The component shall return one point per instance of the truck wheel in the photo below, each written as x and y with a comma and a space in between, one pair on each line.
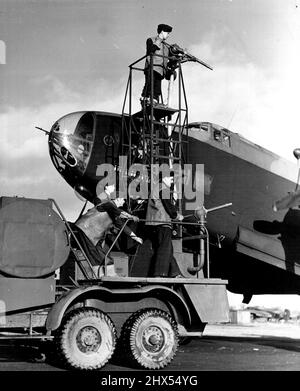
150, 337
86, 339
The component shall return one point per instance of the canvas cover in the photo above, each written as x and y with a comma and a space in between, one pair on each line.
33, 238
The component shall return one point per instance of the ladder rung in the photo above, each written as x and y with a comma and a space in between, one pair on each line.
168, 157
167, 124
168, 140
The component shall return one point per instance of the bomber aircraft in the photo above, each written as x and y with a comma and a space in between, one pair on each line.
254, 243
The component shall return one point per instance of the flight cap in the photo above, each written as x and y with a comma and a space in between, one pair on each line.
164, 27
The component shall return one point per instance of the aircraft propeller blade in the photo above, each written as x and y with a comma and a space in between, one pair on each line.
296, 153
292, 199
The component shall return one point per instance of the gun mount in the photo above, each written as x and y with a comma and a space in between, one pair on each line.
182, 55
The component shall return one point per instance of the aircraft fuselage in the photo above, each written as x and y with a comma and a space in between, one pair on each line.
255, 248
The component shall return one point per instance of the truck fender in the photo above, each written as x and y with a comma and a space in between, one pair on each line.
178, 306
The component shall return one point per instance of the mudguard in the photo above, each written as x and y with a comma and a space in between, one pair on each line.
168, 295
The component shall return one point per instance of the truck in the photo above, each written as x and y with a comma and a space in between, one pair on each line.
50, 291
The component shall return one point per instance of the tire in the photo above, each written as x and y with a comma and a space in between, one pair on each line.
150, 338
86, 339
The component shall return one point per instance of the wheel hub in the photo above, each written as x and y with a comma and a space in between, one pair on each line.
88, 339
153, 339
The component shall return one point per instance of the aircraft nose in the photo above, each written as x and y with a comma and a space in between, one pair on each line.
70, 141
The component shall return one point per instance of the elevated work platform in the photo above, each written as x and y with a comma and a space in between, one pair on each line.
159, 112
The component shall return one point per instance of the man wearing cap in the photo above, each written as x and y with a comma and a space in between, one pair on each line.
160, 51
160, 213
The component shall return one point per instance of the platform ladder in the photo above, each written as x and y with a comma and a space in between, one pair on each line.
156, 134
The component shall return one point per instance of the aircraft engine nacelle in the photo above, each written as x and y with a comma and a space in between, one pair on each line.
79, 142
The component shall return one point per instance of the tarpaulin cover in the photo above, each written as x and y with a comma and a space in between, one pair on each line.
33, 238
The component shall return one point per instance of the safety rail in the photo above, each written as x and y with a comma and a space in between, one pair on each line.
84, 272
112, 245
203, 239
130, 128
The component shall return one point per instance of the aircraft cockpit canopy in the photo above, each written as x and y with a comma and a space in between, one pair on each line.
215, 132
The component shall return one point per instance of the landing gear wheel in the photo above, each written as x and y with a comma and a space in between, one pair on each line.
150, 337
86, 339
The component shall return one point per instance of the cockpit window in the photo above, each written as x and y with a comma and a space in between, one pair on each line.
226, 139
202, 126
217, 135
214, 132
222, 136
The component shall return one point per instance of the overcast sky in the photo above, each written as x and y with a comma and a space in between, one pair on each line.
69, 55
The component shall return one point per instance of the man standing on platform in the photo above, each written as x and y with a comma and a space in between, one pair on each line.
156, 46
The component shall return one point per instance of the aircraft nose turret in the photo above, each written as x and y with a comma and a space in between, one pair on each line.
79, 143
71, 142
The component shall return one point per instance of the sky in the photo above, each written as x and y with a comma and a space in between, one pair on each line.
62, 56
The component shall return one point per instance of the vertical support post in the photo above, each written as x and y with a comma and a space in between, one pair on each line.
207, 253
185, 124
170, 127
123, 122
179, 143
130, 125
151, 112
30, 323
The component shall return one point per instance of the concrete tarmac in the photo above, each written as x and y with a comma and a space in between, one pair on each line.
223, 347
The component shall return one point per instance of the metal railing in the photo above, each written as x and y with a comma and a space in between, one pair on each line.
82, 268
202, 236
203, 239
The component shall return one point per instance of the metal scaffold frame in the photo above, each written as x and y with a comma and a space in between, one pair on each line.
149, 137
145, 124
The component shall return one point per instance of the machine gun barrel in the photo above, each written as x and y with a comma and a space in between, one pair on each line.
43, 130
193, 58
176, 49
